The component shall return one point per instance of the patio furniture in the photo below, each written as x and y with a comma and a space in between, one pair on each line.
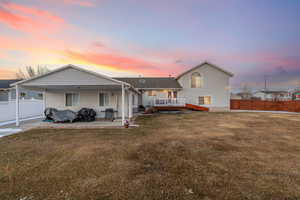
109, 114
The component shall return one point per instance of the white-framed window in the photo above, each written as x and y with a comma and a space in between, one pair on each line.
103, 99
72, 99
151, 93
204, 100
196, 80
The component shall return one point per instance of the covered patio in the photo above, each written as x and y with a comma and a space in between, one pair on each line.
73, 88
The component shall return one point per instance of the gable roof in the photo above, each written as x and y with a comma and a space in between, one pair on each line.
67, 67
202, 64
152, 82
5, 84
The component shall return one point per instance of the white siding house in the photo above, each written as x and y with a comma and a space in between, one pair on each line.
213, 90
74, 88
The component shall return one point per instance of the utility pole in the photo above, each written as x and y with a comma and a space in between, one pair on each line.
266, 88
265, 78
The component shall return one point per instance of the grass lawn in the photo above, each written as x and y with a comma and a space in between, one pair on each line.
187, 156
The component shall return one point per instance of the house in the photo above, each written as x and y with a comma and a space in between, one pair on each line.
71, 87
295, 94
7, 93
235, 96
242, 95
5, 89
272, 95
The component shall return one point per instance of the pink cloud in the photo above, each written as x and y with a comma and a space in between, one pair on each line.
7, 73
79, 2
29, 19
84, 3
121, 62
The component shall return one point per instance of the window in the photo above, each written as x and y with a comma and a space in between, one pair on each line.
103, 99
205, 100
196, 80
72, 99
151, 93
22, 94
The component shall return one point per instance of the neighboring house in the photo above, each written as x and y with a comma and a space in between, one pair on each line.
7, 93
295, 94
272, 95
5, 89
242, 95
73, 88
235, 96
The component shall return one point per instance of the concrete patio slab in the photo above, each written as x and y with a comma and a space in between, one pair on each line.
39, 123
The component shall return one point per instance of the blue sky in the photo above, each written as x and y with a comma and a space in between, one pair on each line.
155, 38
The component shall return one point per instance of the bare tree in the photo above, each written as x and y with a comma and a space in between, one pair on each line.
30, 71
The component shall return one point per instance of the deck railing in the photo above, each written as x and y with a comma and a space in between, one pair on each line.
169, 102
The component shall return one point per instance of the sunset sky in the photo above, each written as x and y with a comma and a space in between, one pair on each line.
155, 37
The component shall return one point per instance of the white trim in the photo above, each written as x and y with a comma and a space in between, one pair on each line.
17, 106
130, 104
44, 100
123, 104
202, 64
65, 99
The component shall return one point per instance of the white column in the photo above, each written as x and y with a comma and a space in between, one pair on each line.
17, 105
123, 104
44, 100
130, 107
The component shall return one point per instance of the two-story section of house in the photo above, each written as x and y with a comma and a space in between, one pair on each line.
207, 85
204, 85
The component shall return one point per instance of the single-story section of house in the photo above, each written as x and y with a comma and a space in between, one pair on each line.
71, 87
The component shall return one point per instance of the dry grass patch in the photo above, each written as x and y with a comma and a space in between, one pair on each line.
187, 156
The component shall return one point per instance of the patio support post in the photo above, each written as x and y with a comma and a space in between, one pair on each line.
123, 104
17, 105
130, 105
44, 100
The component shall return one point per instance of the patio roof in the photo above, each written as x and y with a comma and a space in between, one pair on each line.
22, 82
71, 77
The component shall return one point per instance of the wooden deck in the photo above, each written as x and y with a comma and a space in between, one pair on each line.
175, 108
196, 107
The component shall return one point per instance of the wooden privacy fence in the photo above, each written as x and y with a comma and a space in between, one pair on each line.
289, 106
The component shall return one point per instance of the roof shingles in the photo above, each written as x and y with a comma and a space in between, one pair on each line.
152, 83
